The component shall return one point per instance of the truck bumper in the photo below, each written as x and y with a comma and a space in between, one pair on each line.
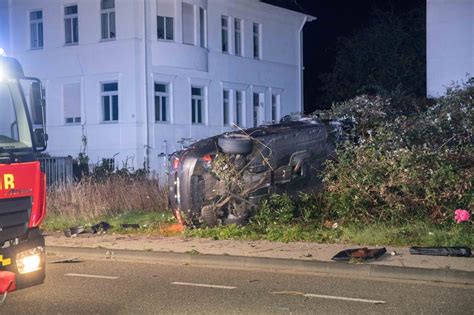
22, 260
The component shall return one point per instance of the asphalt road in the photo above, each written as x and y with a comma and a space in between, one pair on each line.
111, 287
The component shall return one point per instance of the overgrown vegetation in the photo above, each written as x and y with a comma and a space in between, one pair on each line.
398, 181
404, 167
107, 192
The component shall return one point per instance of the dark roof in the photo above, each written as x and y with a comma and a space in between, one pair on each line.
293, 5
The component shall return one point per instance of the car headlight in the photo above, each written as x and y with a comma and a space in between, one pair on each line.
29, 260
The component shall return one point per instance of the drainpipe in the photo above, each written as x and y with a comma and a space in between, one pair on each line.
300, 64
145, 50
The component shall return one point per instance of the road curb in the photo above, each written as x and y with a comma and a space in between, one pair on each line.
270, 264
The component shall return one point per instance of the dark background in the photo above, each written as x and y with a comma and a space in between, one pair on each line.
335, 19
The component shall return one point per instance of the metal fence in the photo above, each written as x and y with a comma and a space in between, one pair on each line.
58, 170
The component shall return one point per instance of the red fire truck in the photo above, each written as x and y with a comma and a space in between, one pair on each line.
22, 182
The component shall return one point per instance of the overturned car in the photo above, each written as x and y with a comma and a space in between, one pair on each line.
222, 179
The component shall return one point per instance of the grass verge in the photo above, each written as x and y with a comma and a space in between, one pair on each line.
149, 222
418, 233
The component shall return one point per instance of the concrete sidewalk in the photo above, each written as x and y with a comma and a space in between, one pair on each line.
303, 256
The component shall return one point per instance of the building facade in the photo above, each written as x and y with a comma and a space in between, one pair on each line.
135, 80
449, 43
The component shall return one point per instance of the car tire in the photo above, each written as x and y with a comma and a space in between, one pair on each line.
208, 216
235, 144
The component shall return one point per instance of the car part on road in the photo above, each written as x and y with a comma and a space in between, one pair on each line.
100, 227
74, 231
66, 261
360, 254
457, 251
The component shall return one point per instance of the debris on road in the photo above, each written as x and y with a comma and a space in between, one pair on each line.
74, 231
66, 261
359, 253
100, 227
457, 251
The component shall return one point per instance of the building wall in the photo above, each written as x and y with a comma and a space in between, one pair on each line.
4, 26
137, 64
450, 43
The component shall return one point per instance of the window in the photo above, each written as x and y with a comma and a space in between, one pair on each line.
275, 107
197, 99
188, 23
238, 36
165, 28
225, 34
71, 26
238, 107
110, 109
256, 41
36, 29
107, 19
161, 102
72, 103
256, 100
202, 27
225, 107
258, 108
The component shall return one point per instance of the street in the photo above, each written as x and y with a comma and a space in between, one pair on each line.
113, 287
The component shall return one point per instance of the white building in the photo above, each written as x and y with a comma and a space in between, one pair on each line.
449, 43
205, 64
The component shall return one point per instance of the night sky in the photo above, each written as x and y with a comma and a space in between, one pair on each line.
335, 18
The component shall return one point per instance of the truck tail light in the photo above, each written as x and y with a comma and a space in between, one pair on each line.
39, 203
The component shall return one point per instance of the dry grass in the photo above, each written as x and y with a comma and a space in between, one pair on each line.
111, 196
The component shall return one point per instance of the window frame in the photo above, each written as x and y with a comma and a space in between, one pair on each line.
161, 95
202, 22
75, 120
238, 40
239, 108
71, 17
198, 107
192, 24
225, 30
226, 109
276, 107
257, 40
108, 12
109, 94
165, 28
37, 23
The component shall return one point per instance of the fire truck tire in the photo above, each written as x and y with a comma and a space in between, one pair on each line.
235, 144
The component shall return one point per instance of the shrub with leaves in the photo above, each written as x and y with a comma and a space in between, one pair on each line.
404, 167
278, 209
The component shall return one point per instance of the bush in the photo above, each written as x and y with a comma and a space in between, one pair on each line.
404, 168
278, 209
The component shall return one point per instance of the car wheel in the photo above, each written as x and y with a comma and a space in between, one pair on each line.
208, 216
235, 144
